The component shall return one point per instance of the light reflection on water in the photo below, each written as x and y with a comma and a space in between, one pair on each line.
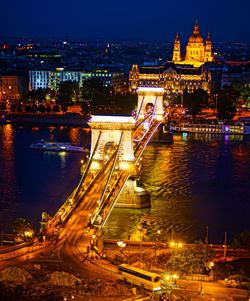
199, 180
35, 181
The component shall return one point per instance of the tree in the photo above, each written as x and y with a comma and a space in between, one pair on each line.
85, 107
39, 94
177, 100
34, 108
56, 108
27, 108
2, 106
125, 103
19, 108
13, 107
67, 91
195, 101
241, 240
92, 88
41, 108
193, 259
22, 228
226, 103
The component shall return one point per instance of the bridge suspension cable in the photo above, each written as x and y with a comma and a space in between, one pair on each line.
146, 143
109, 177
87, 167
138, 112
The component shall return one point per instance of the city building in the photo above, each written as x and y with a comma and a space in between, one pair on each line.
12, 87
197, 53
52, 78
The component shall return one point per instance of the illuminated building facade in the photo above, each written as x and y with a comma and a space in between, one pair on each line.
52, 78
180, 74
174, 79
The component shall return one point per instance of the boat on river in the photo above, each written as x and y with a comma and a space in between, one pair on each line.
3, 116
57, 146
227, 129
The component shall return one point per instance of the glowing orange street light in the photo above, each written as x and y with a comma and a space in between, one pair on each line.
175, 244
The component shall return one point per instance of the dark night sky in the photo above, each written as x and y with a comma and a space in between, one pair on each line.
157, 20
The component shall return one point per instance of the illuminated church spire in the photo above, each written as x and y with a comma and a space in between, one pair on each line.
177, 49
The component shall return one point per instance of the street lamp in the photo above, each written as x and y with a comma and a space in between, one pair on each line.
122, 245
156, 240
176, 244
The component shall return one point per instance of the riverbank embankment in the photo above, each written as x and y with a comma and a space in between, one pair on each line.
60, 119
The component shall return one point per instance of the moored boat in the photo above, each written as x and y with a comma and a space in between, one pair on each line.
57, 146
233, 129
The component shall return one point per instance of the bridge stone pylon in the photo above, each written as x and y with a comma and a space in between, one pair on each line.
150, 95
111, 128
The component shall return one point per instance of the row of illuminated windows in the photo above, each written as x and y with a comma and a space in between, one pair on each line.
32, 73
195, 52
220, 130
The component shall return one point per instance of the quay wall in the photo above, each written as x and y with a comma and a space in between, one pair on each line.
57, 119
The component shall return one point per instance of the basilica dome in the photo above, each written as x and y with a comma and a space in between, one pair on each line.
196, 37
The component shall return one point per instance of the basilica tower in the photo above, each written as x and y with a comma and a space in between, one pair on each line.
177, 49
208, 50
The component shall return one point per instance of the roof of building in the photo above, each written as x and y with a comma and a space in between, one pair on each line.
178, 68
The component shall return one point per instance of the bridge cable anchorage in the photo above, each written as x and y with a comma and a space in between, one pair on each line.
138, 112
152, 116
87, 167
109, 178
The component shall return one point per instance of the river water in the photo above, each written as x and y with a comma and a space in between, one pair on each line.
198, 181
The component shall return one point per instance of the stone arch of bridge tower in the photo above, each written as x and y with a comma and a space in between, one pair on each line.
111, 128
150, 95
108, 149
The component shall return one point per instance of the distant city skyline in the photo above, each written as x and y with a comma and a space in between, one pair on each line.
227, 21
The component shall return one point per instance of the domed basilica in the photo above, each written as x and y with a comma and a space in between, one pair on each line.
196, 52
